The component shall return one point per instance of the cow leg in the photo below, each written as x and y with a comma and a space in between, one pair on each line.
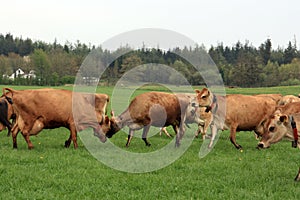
214, 131
130, 135
233, 135
26, 135
73, 137
68, 142
15, 131
144, 136
197, 132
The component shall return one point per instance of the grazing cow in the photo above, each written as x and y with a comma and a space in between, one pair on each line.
281, 126
287, 109
288, 99
242, 113
158, 109
48, 108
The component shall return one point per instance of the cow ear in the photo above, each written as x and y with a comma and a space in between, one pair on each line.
197, 91
112, 113
283, 118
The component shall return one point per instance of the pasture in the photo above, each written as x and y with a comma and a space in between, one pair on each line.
50, 171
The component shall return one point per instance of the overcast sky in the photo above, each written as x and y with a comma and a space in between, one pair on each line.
206, 22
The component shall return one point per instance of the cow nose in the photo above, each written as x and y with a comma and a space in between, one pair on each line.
260, 145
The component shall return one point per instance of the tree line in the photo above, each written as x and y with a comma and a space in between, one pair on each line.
241, 65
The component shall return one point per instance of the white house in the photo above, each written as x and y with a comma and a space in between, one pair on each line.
20, 73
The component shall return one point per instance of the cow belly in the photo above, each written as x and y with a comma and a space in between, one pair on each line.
135, 126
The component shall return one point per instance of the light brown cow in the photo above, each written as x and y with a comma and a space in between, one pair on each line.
288, 99
48, 108
279, 127
153, 109
287, 109
242, 113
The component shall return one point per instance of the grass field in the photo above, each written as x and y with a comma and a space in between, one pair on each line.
50, 171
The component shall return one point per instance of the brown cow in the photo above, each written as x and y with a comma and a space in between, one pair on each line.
49, 108
279, 127
153, 109
242, 113
287, 109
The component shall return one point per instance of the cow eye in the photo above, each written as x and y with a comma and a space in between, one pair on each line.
203, 97
272, 128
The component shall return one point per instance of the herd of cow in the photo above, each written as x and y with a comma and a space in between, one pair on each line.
271, 116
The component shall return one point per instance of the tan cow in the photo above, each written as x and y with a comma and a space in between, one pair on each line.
48, 108
155, 109
279, 127
287, 109
242, 113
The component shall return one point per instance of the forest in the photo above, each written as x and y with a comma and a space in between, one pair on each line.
240, 65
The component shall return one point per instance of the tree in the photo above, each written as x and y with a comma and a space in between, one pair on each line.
42, 66
265, 51
247, 72
290, 53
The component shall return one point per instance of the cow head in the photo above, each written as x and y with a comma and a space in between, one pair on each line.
111, 126
278, 126
204, 98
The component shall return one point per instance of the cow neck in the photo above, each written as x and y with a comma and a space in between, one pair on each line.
295, 131
214, 105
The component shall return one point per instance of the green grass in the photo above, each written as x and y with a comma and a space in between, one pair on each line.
50, 171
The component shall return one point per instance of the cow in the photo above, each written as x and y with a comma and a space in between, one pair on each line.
287, 109
52, 108
158, 109
288, 99
242, 113
281, 126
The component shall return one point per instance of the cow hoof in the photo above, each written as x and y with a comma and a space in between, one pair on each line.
239, 147
67, 144
30, 147
148, 145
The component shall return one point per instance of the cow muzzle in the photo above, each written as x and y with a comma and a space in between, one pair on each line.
262, 145
99, 134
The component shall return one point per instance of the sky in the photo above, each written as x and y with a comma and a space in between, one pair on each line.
208, 22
